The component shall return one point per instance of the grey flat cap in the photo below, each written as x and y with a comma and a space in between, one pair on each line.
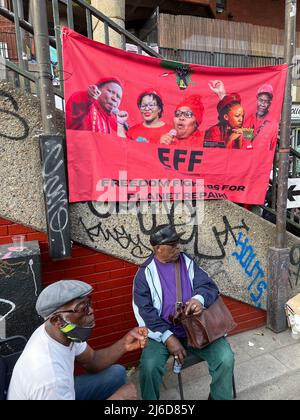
59, 294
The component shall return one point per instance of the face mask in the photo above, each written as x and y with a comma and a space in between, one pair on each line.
77, 334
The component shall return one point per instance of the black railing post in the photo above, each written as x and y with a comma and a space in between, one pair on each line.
279, 260
41, 37
52, 145
21, 48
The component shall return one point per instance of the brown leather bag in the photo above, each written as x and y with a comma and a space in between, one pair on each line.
201, 330
213, 323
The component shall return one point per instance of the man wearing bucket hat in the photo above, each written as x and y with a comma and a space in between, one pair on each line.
154, 301
97, 110
45, 370
187, 119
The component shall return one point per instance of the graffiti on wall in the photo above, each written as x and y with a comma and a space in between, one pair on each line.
56, 197
20, 284
8, 269
294, 276
139, 248
250, 264
19, 123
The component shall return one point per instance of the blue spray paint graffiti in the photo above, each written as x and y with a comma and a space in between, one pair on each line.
250, 264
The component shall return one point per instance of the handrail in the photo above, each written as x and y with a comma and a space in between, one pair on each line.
55, 41
96, 13
295, 153
10, 16
108, 23
23, 24
29, 28
288, 220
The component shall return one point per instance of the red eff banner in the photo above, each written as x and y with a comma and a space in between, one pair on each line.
141, 128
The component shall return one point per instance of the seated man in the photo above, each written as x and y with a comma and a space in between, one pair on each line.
155, 300
45, 370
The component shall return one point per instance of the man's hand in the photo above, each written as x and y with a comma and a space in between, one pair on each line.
194, 307
93, 92
136, 339
176, 348
126, 392
217, 86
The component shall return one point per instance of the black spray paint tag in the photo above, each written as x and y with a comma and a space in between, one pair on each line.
56, 196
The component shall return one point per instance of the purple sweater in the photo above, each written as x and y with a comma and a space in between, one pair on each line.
167, 276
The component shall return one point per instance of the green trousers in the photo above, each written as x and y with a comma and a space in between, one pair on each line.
218, 355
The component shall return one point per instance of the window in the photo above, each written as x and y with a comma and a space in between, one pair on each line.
221, 6
6, 4
3, 50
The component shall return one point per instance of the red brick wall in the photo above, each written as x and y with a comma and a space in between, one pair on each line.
112, 281
258, 12
265, 13
7, 31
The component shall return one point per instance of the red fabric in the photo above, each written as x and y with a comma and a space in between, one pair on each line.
76, 110
93, 157
147, 92
143, 134
83, 113
265, 132
220, 134
217, 135
196, 140
110, 79
228, 99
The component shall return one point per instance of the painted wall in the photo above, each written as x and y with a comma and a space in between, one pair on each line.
112, 281
230, 243
20, 285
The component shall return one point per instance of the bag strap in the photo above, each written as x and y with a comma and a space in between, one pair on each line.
178, 284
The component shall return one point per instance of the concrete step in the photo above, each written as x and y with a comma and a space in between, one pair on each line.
267, 368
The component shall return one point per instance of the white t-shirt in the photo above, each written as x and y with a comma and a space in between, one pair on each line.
45, 370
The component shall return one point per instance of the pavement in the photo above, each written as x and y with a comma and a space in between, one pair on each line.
267, 368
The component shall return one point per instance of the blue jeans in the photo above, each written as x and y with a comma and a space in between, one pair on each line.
100, 386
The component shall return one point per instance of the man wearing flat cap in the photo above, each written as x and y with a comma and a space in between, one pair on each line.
154, 301
45, 369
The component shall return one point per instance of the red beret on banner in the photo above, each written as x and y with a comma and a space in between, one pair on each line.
149, 91
228, 99
194, 102
105, 80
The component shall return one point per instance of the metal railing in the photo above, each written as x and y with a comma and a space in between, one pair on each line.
8, 46
269, 210
60, 9
218, 59
16, 58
